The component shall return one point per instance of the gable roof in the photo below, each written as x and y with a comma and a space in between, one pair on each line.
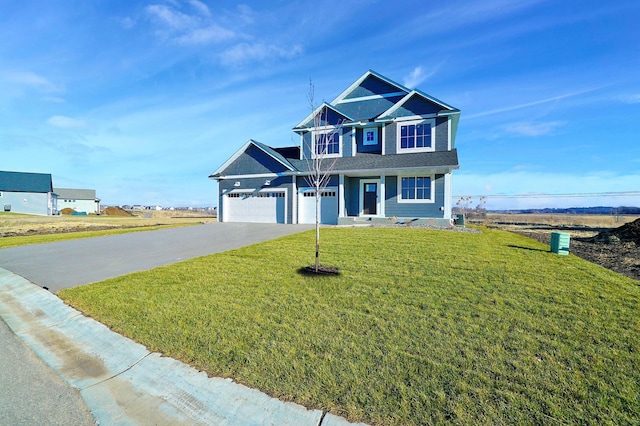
302, 125
369, 74
75, 194
423, 95
265, 148
25, 182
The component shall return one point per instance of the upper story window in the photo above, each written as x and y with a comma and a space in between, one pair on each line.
416, 135
327, 143
370, 136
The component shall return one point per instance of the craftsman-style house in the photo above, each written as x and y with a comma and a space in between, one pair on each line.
391, 153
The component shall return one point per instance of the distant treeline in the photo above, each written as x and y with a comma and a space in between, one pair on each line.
576, 210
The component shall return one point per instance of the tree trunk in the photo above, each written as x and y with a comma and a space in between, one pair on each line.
317, 229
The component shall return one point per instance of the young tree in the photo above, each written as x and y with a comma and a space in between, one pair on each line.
320, 147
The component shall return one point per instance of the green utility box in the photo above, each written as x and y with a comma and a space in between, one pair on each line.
458, 220
560, 242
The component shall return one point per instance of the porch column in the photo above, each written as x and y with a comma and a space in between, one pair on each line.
341, 209
383, 192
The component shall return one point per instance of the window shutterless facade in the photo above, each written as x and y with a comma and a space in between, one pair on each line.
327, 143
416, 189
416, 135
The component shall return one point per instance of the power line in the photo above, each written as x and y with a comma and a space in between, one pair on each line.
576, 195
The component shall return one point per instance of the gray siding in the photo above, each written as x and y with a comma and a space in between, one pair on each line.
253, 161
442, 134
375, 149
258, 184
352, 191
390, 138
347, 144
420, 210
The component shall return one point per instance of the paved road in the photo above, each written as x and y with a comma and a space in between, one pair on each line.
77, 262
30, 392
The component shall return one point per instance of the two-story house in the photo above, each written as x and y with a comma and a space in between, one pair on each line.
390, 153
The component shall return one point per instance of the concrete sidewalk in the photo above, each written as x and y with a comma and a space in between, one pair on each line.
122, 383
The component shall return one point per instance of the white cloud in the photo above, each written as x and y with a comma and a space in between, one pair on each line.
200, 7
415, 77
213, 33
170, 17
64, 122
633, 99
243, 53
531, 129
195, 28
32, 80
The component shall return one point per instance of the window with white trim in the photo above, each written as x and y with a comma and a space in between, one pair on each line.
416, 135
370, 136
415, 189
327, 143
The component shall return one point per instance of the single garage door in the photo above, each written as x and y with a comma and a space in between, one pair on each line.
257, 207
328, 206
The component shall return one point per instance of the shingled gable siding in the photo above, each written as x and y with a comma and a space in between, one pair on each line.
258, 184
365, 110
442, 136
421, 210
254, 161
372, 86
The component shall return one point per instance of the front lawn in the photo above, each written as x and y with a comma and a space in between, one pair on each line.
421, 327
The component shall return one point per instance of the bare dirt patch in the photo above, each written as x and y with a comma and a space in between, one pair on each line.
615, 248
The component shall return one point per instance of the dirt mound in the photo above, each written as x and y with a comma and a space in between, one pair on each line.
67, 211
629, 232
115, 211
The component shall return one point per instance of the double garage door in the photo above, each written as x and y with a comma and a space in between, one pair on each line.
270, 207
328, 206
258, 207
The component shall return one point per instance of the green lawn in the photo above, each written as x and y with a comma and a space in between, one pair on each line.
421, 327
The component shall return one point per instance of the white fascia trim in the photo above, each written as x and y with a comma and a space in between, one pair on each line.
355, 84
354, 144
449, 133
371, 97
448, 196
261, 175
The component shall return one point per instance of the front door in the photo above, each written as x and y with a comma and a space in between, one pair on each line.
370, 199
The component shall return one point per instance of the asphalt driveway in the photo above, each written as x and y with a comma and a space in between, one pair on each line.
77, 262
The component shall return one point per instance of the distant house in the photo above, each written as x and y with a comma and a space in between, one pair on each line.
30, 193
394, 151
80, 200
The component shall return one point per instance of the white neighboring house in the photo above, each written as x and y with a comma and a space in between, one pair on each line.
28, 193
80, 200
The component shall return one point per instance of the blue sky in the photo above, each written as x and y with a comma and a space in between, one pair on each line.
142, 100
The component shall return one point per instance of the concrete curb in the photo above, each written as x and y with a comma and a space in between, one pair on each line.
122, 383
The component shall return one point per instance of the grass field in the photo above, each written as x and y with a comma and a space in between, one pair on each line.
21, 229
421, 327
